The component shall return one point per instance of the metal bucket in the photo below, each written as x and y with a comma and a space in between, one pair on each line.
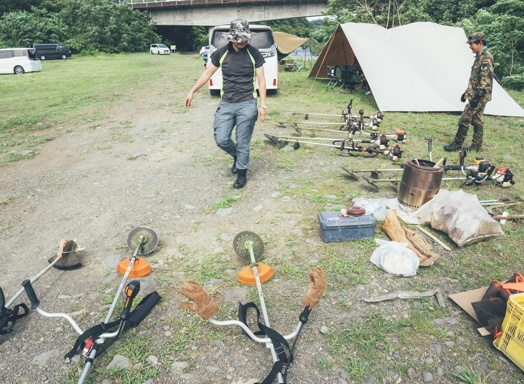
420, 182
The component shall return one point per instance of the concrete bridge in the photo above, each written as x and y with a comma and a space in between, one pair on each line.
208, 13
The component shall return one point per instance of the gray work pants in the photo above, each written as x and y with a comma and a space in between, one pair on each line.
243, 116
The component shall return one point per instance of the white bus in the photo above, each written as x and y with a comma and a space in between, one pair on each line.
19, 60
262, 39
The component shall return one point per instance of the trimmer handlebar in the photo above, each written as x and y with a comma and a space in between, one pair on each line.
30, 292
131, 291
304, 316
460, 166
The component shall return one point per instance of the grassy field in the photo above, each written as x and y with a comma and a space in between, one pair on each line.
75, 91
69, 92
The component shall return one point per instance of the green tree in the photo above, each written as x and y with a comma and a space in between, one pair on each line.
299, 26
503, 24
86, 26
16, 29
17, 5
391, 13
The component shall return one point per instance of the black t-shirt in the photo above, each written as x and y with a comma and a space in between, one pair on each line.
238, 71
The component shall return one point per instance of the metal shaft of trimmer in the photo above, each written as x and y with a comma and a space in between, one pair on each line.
249, 245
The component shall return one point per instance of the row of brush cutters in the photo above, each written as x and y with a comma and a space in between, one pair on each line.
478, 172
372, 145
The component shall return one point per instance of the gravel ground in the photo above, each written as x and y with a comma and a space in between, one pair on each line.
153, 163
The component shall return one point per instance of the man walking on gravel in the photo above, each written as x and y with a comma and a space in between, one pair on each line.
242, 66
478, 93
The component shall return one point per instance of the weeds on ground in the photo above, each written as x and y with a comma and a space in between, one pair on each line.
373, 343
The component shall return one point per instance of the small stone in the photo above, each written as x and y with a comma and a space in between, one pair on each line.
119, 361
152, 359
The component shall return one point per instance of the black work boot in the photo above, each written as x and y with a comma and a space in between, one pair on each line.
478, 136
453, 147
241, 179
460, 136
474, 147
234, 169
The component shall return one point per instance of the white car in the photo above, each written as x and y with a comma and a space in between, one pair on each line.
204, 52
160, 49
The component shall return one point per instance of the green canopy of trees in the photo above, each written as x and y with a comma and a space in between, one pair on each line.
85, 26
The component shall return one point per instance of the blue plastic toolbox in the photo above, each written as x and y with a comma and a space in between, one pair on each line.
333, 227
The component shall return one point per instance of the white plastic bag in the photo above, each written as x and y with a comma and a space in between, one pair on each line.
375, 207
395, 258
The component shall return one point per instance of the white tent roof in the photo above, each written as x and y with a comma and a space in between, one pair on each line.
419, 67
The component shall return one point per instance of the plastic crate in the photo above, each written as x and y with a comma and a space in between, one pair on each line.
511, 342
336, 228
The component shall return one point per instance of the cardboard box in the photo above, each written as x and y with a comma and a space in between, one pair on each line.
464, 300
335, 228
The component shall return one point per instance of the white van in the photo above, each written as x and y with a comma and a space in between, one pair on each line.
19, 60
262, 39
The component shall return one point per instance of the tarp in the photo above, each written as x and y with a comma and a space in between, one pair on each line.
287, 43
419, 67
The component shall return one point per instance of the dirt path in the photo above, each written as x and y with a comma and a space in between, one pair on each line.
151, 163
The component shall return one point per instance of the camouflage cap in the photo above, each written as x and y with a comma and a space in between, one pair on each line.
239, 31
476, 37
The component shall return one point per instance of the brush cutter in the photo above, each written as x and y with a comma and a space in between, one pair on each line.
375, 173
250, 247
344, 114
351, 124
399, 135
377, 147
473, 175
65, 259
91, 342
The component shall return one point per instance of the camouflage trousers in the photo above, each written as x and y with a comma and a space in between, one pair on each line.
471, 116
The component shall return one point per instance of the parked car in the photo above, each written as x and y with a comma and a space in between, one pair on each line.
19, 61
160, 49
204, 52
51, 51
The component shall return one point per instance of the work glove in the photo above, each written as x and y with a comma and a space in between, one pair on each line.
463, 97
202, 303
316, 287
475, 101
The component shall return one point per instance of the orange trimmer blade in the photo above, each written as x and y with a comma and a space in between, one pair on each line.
140, 267
247, 276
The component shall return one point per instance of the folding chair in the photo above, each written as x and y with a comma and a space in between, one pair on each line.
331, 73
297, 67
346, 73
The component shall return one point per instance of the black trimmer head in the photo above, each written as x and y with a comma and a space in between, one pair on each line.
67, 259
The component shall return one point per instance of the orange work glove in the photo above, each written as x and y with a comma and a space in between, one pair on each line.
316, 288
202, 303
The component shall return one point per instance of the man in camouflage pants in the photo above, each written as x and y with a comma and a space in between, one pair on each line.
478, 93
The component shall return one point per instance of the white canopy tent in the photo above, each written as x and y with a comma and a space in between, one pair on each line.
419, 67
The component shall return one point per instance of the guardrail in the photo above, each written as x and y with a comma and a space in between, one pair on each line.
190, 3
